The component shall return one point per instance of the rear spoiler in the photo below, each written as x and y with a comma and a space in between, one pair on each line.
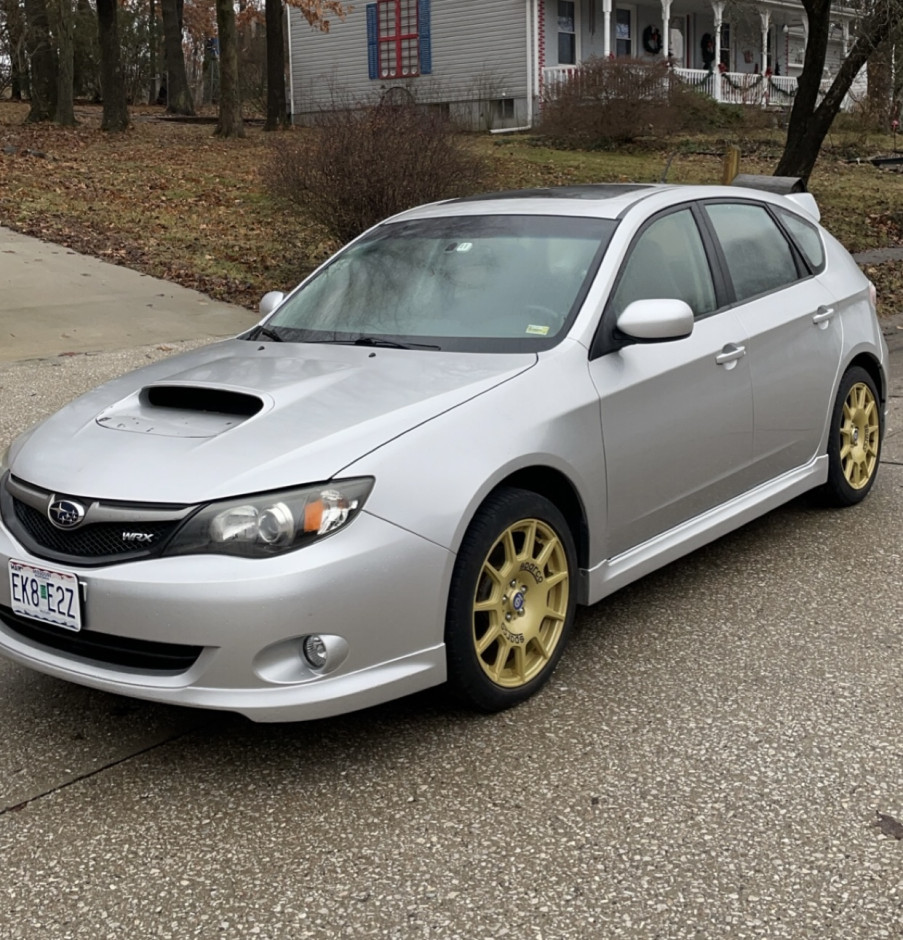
792, 187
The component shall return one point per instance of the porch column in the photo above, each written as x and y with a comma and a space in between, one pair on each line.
846, 37
718, 10
666, 28
765, 19
606, 28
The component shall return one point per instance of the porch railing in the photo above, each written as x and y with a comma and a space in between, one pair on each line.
727, 87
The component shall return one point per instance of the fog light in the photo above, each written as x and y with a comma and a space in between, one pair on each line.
315, 651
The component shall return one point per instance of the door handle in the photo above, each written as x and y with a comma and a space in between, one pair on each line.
730, 354
821, 316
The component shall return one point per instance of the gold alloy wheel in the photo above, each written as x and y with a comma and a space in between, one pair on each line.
859, 432
521, 603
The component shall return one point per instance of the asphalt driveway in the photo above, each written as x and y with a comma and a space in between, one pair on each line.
707, 763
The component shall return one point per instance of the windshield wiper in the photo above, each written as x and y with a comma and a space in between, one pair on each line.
390, 343
375, 341
268, 333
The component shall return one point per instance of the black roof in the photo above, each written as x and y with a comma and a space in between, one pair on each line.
585, 191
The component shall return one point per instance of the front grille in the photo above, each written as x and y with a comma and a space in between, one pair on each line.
145, 655
112, 532
91, 541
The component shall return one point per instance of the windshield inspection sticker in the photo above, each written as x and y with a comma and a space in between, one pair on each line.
464, 246
534, 330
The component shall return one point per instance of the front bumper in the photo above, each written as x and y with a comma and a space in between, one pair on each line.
380, 588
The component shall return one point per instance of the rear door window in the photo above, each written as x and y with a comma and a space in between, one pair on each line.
759, 257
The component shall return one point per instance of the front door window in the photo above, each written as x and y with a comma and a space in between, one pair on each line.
567, 33
624, 32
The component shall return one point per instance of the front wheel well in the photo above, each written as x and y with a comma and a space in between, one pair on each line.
558, 489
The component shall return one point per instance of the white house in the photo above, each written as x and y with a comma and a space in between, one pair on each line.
491, 63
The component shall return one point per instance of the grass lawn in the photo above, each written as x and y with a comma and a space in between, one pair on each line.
171, 200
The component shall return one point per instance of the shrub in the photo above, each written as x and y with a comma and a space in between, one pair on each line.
612, 101
359, 165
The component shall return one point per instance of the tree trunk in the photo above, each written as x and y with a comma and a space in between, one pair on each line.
277, 115
62, 16
152, 50
84, 69
43, 62
881, 85
112, 86
15, 31
809, 124
178, 94
230, 123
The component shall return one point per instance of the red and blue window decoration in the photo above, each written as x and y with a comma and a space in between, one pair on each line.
398, 39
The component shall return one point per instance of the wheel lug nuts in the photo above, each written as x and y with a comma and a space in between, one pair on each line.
513, 584
507, 616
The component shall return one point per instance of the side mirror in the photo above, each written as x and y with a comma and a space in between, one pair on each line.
656, 320
269, 302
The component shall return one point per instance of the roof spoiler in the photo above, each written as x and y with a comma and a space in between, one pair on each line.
793, 187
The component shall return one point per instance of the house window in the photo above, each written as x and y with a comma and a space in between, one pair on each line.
725, 52
567, 33
624, 32
398, 38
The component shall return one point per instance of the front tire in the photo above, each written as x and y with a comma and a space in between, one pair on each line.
854, 445
512, 600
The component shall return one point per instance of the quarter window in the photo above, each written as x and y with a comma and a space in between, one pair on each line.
398, 38
759, 258
668, 260
806, 237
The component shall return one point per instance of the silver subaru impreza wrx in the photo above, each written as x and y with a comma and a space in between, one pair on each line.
474, 417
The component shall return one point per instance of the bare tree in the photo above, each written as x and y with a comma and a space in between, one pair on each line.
230, 123
14, 31
317, 13
112, 83
42, 59
62, 19
178, 94
810, 120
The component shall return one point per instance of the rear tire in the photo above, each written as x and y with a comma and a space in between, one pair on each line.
854, 445
512, 600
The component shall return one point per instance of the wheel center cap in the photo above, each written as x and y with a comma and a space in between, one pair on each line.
855, 435
518, 601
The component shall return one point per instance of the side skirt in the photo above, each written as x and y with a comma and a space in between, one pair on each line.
614, 573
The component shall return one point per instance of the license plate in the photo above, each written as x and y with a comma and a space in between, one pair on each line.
45, 594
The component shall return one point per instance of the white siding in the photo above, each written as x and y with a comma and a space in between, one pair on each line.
479, 54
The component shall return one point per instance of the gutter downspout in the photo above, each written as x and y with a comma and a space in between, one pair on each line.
291, 65
531, 73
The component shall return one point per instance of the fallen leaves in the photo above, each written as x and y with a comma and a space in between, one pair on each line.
168, 199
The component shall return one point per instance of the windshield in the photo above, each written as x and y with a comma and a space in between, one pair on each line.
484, 283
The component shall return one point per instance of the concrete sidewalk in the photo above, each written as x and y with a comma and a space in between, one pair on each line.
54, 301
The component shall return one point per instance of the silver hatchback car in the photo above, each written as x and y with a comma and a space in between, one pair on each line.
474, 417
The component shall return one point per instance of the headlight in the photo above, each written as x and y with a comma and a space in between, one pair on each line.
271, 523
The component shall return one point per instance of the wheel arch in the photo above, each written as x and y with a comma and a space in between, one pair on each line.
559, 490
871, 365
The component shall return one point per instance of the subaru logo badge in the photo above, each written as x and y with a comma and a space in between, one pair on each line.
65, 514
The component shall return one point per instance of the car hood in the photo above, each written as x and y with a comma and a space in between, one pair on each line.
240, 417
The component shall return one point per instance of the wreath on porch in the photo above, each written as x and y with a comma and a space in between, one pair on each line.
652, 40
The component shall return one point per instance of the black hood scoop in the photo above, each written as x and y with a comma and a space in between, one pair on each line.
184, 410
222, 401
